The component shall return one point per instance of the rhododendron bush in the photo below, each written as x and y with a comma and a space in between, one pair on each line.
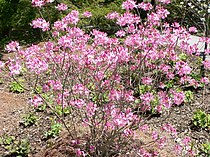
110, 82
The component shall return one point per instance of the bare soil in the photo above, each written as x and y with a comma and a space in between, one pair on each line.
12, 106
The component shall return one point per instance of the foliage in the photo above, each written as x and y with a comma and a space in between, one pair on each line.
54, 130
15, 19
6, 139
17, 86
189, 13
189, 96
206, 148
201, 119
98, 21
29, 119
15, 147
62, 110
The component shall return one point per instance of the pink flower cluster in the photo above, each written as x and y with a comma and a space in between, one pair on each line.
129, 5
164, 1
62, 7
12, 46
41, 23
183, 68
145, 6
87, 14
40, 3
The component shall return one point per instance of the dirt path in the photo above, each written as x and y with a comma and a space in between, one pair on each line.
12, 107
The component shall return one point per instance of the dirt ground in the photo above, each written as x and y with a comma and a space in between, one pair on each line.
11, 108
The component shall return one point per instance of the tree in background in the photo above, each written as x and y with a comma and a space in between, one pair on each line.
190, 13
15, 19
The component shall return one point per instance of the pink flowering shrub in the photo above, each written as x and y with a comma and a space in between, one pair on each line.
109, 81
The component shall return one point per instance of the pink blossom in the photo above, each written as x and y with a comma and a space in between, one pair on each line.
129, 5
59, 25
1, 65
145, 6
75, 142
80, 89
183, 68
147, 98
122, 54
204, 80
206, 64
120, 33
12, 46
92, 148
162, 13
49, 1
71, 18
112, 15
164, 1
120, 118
159, 108
41, 23
36, 101
186, 141
115, 95
165, 68
144, 128
154, 19
15, 68
143, 153
154, 135
80, 153
77, 103
55, 84
133, 67
162, 142
38, 3
62, 7
164, 99
193, 29
87, 14
45, 88
128, 18
36, 65
170, 129
128, 95
166, 25
128, 132
91, 108
178, 149
178, 97
100, 75
146, 80
175, 25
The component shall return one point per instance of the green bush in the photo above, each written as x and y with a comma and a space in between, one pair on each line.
15, 19
99, 9
14, 146
201, 119
188, 13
